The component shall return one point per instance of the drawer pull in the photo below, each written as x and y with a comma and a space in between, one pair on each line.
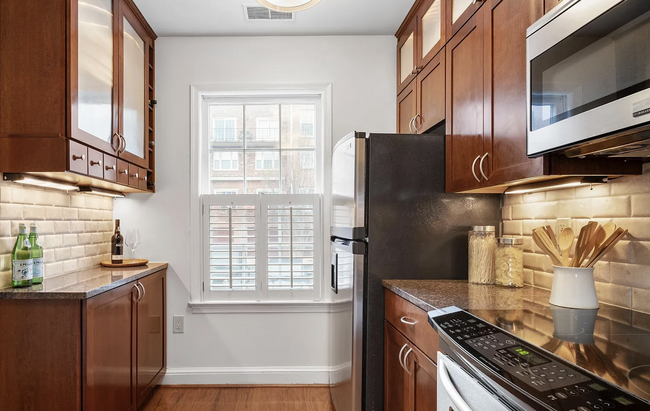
81, 157
125, 171
107, 168
408, 321
134, 175
95, 163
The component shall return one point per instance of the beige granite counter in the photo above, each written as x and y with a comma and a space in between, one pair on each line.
611, 342
81, 285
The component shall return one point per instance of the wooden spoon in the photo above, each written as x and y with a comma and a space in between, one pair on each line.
567, 236
551, 235
541, 239
599, 237
582, 247
607, 246
609, 229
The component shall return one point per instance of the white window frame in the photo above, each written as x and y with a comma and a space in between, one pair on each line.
199, 154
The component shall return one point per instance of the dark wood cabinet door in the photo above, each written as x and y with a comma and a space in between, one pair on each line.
406, 109
506, 22
550, 4
395, 377
110, 360
458, 12
422, 391
151, 334
430, 85
465, 106
407, 57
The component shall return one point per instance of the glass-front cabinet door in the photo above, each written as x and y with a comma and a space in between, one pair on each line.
94, 102
134, 49
459, 12
407, 58
431, 29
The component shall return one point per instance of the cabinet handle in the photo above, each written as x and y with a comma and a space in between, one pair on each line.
125, 171
474, 168
408, 321
81, 157
110, 167
144, 178
400, 356
480, 166
134, 175
406, 366
415, 123
123, 144
144, 290
95, 163
139, 292
119, 142
410, 125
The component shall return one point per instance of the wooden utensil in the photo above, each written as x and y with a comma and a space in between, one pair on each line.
545, 244
599, 237
607, 246
551, 235
609, 229
566, 242
583, 241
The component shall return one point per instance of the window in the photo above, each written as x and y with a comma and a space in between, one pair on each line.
261, 211
224, 129
225, 161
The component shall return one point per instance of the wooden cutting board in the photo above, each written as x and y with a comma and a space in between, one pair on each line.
125, 264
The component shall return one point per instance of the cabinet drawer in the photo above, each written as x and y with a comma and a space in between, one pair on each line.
134, 176
110, 168
123, 172
95, 163
412, 322
142, 179
77, 158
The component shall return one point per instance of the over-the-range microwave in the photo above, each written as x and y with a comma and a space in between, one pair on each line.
588, 79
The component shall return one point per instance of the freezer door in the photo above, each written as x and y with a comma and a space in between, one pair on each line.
346, 324
349, 187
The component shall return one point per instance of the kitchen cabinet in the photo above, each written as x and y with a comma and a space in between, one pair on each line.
406, 109
430, 94
465, 106
85, 83
106, 352
407, 58
410, 379
459, 12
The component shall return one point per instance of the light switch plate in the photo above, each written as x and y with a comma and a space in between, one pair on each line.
178, 323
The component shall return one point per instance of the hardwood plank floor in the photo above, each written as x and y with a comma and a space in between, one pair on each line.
240, 399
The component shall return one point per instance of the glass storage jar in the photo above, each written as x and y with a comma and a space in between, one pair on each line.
509, 262
482, 243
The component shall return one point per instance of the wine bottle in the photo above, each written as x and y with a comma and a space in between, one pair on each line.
117, 245
37, 254
22, 265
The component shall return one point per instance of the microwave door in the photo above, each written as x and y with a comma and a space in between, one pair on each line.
349, 187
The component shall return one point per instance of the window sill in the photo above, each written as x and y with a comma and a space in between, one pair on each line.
242, 307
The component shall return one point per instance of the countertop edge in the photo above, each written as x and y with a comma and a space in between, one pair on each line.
62, 295
408, 297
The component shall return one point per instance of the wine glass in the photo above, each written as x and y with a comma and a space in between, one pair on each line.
132, 240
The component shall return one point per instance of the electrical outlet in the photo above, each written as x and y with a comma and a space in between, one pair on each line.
561, 224
179, 323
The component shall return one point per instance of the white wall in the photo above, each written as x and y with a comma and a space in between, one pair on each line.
247, 348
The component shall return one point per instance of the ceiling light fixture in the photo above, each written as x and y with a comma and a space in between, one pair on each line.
288, 6
38, 181
569, 182
100, 192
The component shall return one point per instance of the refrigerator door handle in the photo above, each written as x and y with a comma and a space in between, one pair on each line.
334, 281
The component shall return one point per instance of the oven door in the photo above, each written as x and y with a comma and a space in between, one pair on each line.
588, 72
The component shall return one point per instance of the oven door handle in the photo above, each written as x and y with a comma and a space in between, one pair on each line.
454, 396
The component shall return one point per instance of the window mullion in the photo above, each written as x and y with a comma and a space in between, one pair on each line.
244, 145
262, 240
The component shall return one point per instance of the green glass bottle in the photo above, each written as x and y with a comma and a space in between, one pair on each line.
37, 254
22, 265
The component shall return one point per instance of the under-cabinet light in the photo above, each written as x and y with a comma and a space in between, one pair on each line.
39, 181
559, 184
100, 192
288, 6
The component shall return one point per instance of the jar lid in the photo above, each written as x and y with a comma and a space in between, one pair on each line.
511, 241
486, 228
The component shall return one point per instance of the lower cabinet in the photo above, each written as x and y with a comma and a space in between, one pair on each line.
410, 375
105, 353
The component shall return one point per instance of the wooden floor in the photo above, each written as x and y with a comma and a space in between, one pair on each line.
240, 399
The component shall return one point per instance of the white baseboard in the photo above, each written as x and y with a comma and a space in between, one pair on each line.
246, 375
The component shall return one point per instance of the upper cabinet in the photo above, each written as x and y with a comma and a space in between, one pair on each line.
78, 84
459, 12
431, 30
407, 58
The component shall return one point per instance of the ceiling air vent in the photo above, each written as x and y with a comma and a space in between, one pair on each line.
260, 13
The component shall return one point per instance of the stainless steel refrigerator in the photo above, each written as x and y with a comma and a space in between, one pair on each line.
391, 219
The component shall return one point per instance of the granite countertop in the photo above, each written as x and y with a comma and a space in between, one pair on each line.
611, 342
80, 285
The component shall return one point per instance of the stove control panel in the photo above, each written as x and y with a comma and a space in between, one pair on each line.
540, 376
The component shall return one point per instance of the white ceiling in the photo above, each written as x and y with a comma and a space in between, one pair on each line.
226, 18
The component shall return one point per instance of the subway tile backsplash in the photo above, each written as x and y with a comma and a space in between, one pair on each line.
75, 229
623, 276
